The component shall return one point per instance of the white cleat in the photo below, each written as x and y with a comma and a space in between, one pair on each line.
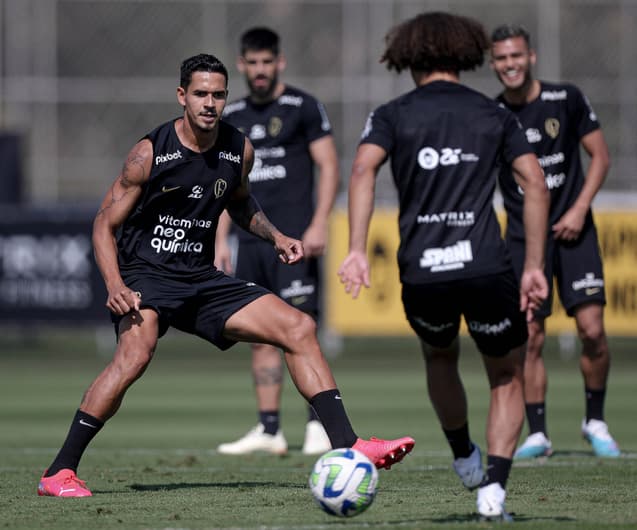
535, 446
470, 469
316, 440
490, 503
596, 433
256, 440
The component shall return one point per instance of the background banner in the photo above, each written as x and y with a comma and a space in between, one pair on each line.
379, 311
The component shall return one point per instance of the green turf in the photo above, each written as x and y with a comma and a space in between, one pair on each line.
154, 465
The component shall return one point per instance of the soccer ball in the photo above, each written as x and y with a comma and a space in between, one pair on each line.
343, 482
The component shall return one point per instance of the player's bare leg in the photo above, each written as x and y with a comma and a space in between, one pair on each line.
595, 366
448, 397
135, 348
270, 320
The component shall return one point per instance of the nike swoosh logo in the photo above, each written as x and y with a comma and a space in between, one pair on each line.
338, 397
164, 189
82, 422
62, 490
590, 292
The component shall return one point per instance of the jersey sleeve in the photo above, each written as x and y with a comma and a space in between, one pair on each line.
315, 121
515, 143
378, 129
584, 117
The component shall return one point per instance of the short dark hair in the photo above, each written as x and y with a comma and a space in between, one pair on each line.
200, 63
258, 39
436, 42
510, 31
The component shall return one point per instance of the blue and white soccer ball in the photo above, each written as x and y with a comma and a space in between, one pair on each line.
343, 482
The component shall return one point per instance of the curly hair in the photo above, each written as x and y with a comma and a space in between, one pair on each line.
436, 42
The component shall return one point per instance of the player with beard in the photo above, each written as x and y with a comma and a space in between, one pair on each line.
444, 141
292, 137
154, 245
558, 120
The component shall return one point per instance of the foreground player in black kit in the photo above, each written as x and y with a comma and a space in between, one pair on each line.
159, 272
292, 137
557, 119
444, 140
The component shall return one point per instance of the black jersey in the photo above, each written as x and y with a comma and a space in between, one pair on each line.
172, 227
282, 178
554, 123
444, 140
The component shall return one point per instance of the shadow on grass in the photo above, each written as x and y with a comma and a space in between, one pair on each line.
475, 517
190, 485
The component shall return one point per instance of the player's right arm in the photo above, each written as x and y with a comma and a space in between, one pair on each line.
533, 284
115, 208
354, 271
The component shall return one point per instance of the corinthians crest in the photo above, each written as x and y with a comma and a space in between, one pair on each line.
552, 127
220, 187
274, 126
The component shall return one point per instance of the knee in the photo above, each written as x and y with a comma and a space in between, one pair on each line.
593, 340
131, 362
302, 329
536, 339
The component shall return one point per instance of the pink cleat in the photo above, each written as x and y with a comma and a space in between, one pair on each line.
385, 453
63, 484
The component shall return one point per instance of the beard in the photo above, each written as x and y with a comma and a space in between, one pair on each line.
263, 91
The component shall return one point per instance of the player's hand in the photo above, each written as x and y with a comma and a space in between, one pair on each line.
354, 273
570, 225
315, 240
290, 250
534, 289
222, 256
122, 300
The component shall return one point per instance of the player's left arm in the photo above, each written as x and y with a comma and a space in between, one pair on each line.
569, 226
323, 153
245, 211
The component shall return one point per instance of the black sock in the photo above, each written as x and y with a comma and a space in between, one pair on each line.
311, 414
270, 420
459, 441
330, 410
82, 431
498, 470
595, 404
536, 416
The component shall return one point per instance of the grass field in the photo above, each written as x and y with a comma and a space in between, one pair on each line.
154, 464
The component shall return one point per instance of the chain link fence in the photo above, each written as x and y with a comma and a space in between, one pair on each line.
82, 80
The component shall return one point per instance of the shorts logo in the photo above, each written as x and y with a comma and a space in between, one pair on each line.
196, 193
589, 283
220, 187
297, 289
486, 328
435, 328
447, 258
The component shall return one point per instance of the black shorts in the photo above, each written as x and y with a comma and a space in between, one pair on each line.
576, 266
197, 307
297, 284
490, 305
